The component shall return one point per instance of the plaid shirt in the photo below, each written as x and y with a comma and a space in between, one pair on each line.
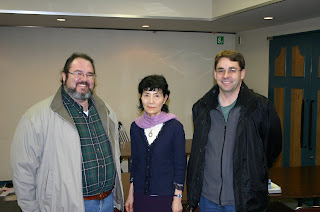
98, 172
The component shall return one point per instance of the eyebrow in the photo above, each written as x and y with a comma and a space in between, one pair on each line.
83, 71
156, 92
232, 67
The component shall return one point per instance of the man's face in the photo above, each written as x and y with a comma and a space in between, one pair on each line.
229, 76
78, 84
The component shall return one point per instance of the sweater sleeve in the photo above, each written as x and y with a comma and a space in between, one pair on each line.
180, 161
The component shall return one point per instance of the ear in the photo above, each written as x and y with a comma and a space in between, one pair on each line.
215, 74
165, 98
243, 73
64, 76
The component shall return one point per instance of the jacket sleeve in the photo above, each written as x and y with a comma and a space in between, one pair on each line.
191, 170
118, 188
194, 111
274, 145
25, 157
133, 154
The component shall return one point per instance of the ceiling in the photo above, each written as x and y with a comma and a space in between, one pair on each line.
283, 12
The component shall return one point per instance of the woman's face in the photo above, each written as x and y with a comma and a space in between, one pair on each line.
153, 101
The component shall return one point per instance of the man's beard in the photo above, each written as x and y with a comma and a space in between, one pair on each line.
79, 96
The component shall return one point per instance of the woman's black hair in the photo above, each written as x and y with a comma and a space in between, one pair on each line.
151, 83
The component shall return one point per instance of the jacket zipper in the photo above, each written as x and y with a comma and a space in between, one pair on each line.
224, 139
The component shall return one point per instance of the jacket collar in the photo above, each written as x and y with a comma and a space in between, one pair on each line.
58, 107
245, 95
210, 100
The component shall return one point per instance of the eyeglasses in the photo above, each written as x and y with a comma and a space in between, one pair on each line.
230, 71
79, 74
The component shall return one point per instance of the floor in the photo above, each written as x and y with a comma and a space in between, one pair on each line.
9, 204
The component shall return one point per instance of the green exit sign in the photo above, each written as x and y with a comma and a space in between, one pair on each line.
220, 40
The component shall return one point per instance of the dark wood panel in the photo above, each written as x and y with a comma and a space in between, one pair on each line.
296, 182
295, 145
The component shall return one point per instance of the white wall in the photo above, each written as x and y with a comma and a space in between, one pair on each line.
31, 60
255, 48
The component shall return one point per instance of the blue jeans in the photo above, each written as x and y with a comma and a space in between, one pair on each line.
208, 206
105, 205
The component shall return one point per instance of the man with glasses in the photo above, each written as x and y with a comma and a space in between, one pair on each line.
237, 136
65, 154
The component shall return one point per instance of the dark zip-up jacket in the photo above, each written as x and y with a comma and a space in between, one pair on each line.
258, 142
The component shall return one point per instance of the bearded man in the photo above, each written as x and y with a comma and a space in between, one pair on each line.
65, 153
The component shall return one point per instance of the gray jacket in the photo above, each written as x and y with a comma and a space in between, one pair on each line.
46, 157
218, 167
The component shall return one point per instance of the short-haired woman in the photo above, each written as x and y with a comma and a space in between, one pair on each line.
157, 151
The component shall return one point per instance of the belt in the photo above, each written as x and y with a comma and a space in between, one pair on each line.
99, 196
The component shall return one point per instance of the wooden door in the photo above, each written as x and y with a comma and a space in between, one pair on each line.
293, 87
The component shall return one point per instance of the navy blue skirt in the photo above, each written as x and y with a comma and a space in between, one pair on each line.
146, 203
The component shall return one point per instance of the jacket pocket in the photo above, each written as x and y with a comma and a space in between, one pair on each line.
49, 184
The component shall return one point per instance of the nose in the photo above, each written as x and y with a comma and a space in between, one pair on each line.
84, 76
226, 74
151, 100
